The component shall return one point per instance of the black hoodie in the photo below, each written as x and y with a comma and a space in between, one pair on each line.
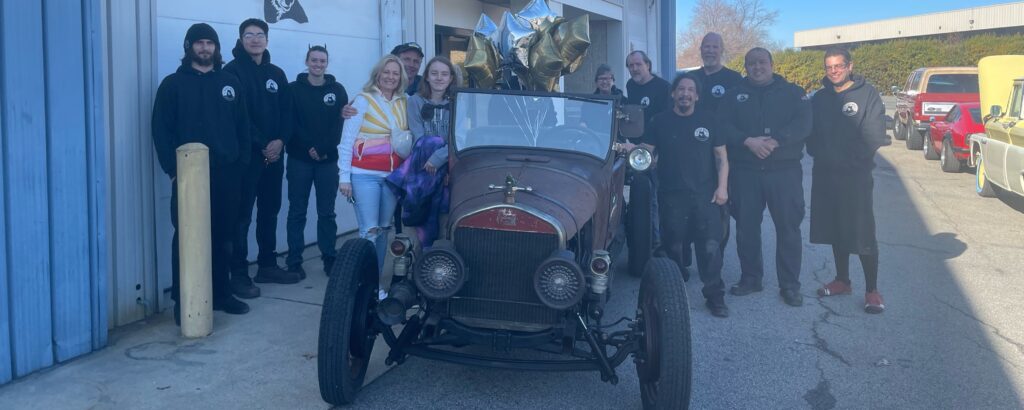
266, 96
317, 117
848, 126
780, 109
192, 106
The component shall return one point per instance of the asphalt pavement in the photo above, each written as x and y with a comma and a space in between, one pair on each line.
952, 335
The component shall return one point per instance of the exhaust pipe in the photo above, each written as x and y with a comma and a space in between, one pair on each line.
391, 310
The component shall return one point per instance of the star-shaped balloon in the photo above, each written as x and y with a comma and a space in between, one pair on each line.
573, 38
486, 27
539, 15
515, 35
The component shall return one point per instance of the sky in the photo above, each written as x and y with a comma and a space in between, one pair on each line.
804, 15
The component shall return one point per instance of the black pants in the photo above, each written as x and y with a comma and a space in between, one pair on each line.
782, 192
686, 219
261, 187
303, 175
225, 190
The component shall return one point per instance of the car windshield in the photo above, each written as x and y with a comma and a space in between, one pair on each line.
577, 124
953, 83
975, 114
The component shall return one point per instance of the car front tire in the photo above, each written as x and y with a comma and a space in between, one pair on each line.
665, 363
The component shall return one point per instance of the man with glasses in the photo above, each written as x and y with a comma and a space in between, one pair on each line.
849, 127
265, 93
411, 55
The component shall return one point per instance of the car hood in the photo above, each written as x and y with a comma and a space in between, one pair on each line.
560, 188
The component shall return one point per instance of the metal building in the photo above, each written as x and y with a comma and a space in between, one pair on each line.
85, 240
999, 19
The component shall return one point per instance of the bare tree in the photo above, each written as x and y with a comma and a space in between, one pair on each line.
743, 24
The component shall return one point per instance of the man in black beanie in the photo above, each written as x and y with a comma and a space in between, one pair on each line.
201, 103
267, 99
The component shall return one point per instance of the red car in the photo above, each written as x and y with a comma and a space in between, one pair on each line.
949, 141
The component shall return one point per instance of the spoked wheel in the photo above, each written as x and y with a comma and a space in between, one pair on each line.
639, 231
346, 323
665, 365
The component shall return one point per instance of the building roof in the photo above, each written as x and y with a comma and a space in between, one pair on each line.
995, 17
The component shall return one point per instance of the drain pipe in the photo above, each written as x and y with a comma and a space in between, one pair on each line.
668, 39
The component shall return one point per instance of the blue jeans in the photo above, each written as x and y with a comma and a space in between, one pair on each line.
375, 210
302, 176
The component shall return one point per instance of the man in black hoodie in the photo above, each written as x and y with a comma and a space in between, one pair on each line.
266, 97
765, 120
849, 127
201, 103
313, 158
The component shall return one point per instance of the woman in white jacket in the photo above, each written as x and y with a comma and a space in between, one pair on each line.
366, 155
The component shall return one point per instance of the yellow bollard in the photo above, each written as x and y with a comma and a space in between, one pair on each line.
194, 242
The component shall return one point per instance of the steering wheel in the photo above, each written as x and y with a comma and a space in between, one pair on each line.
578, 138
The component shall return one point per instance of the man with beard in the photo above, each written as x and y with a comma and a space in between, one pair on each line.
716, 78
693, 186
765, 120
849, 127
267, 99
200, 103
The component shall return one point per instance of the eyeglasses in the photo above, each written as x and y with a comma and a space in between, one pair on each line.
606, 78
250, 36
836, 67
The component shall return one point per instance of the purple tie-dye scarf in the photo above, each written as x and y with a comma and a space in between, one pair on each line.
423, 197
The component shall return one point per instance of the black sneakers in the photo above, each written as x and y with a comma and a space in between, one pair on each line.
297, 269
792, 297
230, 305
717, 307
743, 288
328, 265
274, 274
241, 286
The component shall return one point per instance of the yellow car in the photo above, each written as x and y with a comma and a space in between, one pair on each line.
998, 154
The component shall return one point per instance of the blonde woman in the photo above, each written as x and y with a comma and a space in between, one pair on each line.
366, 154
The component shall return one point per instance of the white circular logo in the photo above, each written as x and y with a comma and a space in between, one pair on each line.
272, 86
646, 101
742, 97
228, 92
850, 109
702, 134
717, 91
329, 99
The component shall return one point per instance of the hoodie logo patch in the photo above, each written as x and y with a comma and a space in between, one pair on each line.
645, 102
742, 97
271, 86
702, 134
717, 91
228, 92
330, 99
850, 109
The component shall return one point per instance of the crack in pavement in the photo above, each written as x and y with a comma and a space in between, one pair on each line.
820, 397
293, 300
995, 330
920, 248
820, 342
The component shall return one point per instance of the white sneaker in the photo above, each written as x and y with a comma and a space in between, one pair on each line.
382, 294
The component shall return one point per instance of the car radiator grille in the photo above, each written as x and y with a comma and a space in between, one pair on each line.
500, 267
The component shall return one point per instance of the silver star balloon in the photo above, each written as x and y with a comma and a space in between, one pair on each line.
486, 27
514, 40
538, 14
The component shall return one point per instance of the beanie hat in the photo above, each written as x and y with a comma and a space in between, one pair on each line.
201, 31
253, 22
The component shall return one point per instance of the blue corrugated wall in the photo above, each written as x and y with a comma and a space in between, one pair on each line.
53, 240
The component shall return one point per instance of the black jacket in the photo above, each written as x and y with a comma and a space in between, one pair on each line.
266, 96
316, 118
192, 106
848, 126
780, 108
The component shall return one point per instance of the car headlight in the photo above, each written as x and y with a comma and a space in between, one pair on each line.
559, 282
640, 159
440, 273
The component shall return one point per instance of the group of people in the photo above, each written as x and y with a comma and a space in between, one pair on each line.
726, 145
383, 147
732, 145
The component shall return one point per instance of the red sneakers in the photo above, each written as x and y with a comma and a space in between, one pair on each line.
835, 287
873, 302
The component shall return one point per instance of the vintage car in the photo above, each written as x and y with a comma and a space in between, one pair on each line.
931, 92
948, 141
998, 153
524, 261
